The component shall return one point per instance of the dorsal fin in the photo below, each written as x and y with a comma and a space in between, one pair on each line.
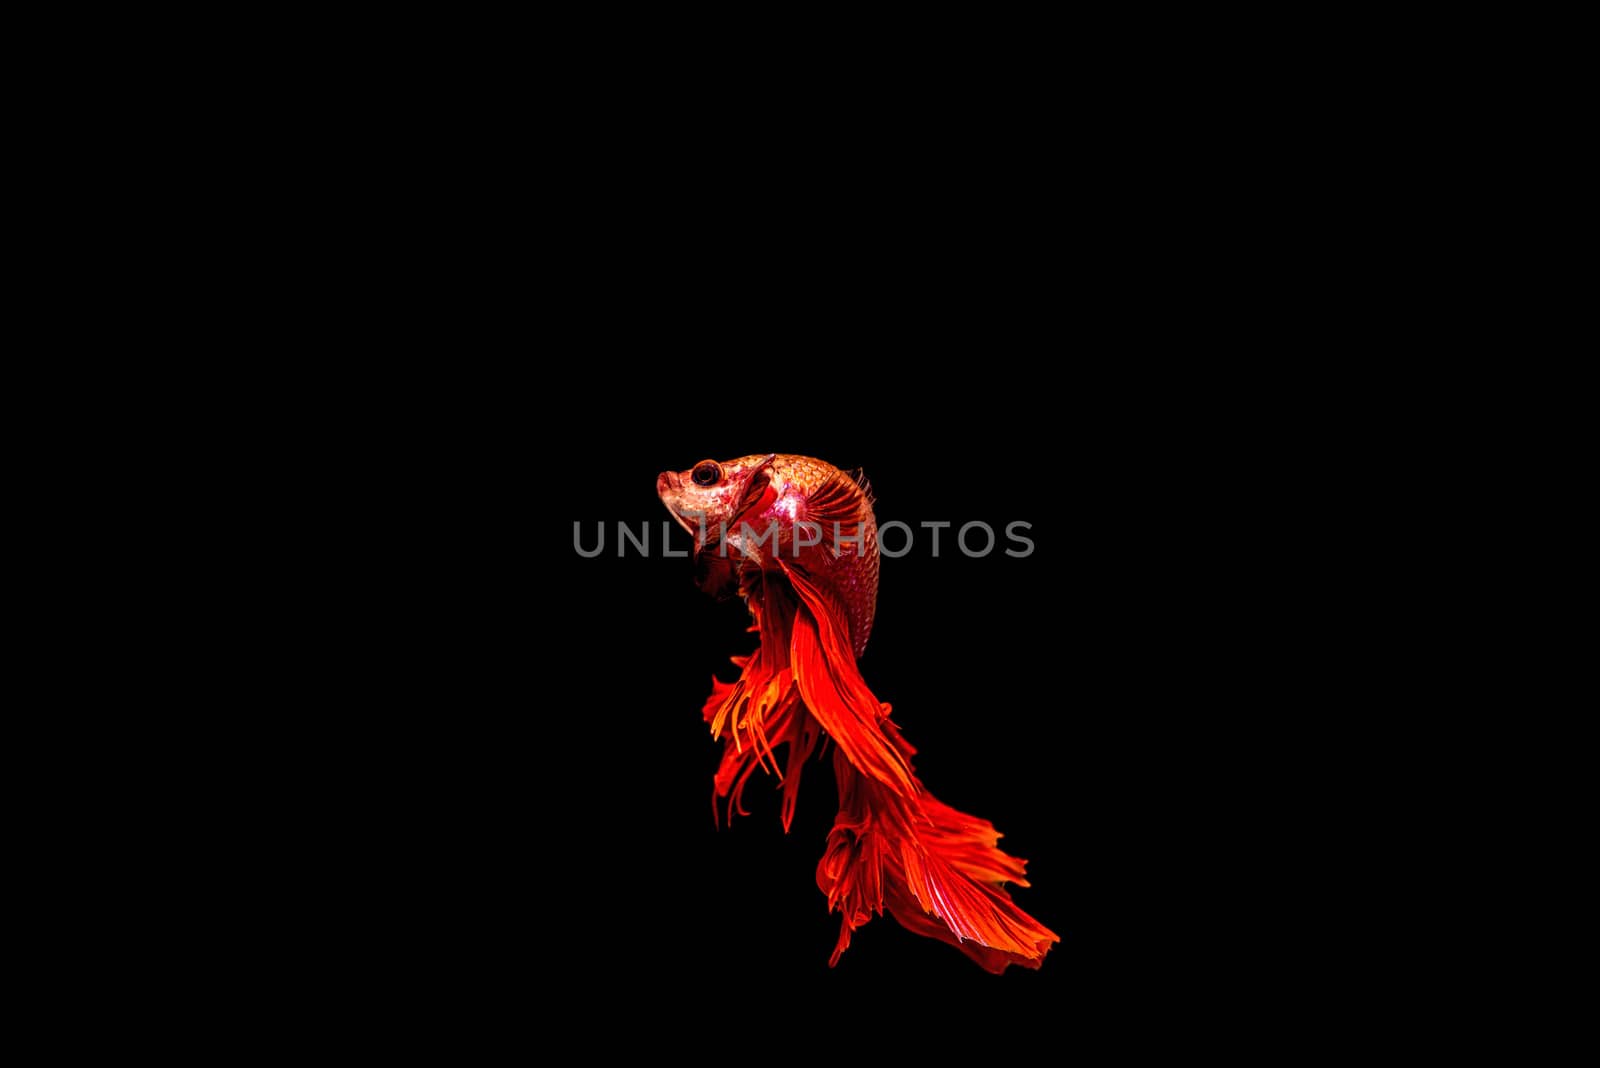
859, 476
838, 499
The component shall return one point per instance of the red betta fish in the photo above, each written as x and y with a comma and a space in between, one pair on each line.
797, 539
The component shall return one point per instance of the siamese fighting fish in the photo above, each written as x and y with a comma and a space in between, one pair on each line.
796, 539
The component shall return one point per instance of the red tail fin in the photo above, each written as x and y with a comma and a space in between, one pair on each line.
893, 844
936, 870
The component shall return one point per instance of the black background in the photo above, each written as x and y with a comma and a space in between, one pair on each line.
493, 748
513, 800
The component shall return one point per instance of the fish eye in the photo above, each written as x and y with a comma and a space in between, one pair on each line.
706, 473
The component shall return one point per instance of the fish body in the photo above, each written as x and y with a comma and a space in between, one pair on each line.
797, 539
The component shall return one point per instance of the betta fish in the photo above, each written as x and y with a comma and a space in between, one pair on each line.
797, 540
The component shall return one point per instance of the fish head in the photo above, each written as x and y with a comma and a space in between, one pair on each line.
709, 497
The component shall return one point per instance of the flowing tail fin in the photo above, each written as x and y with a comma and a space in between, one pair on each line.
936, 870
893, 845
